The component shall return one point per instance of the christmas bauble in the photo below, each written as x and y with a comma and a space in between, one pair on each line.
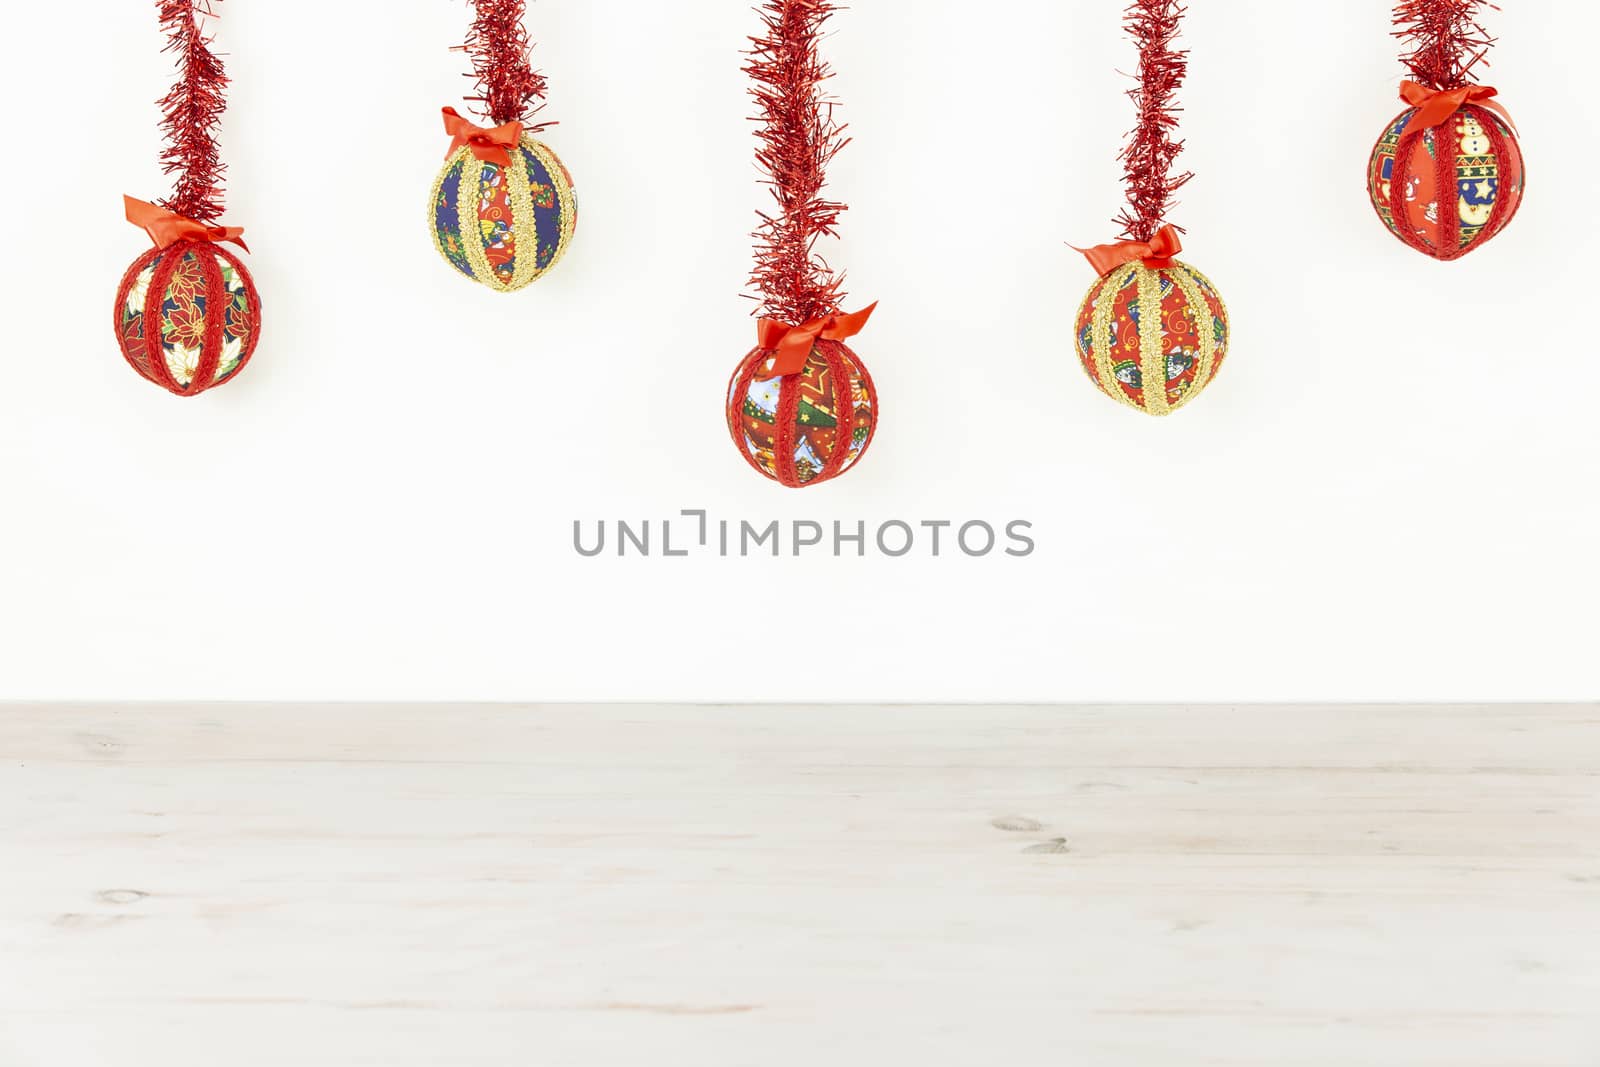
1156, 361
807, 428
504, 225
1472, 159
188, 316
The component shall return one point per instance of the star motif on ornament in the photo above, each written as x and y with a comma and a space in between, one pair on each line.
1484, 189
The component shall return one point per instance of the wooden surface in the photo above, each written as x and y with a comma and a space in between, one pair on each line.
597, 887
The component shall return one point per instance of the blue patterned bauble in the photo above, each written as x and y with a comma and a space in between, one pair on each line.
504, 224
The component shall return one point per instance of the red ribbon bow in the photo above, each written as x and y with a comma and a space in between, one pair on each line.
792, 345
491, 146
167, 229
1435, 106
1155, 253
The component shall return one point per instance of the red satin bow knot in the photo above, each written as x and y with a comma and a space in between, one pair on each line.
791, 345
167, 229
1155, 253
491, 146
1435, 106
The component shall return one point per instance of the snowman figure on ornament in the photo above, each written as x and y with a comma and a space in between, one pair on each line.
1448, 174
1474, 138
1477, 194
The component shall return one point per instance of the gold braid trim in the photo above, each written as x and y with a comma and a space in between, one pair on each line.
1152, 354
524, 226
566, 196
471, 228
1221, 316
433, 215
433, 210
1078, 352
1204, 326
1100, 338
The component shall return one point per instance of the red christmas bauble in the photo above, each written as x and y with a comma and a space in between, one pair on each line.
808, 428
188, 316
1472, 159
1153, 338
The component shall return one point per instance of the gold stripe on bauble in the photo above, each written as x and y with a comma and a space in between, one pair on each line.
566, 197
1204, 325
472, 231
1152, 354
524, 225
1104, 312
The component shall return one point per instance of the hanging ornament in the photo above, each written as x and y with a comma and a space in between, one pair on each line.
187, 314
503, 210
1447, 175
802, 408
1153, 332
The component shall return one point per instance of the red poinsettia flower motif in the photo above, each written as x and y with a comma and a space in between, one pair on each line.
239, 321
187, 281
186, 325
133, 338
544, 196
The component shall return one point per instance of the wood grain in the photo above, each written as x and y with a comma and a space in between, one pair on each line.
599, 887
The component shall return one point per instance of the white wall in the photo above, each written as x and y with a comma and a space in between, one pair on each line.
1389, 495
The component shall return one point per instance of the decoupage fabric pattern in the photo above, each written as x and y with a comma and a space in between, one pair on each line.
187, 316
1472, 159
804, 428
504, 226
1156, 361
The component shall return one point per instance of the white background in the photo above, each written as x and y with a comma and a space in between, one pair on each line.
1388, 496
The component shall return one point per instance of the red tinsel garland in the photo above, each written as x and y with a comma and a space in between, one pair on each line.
191, 113
501, 51
799, 138
1151, 149
1446, 40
